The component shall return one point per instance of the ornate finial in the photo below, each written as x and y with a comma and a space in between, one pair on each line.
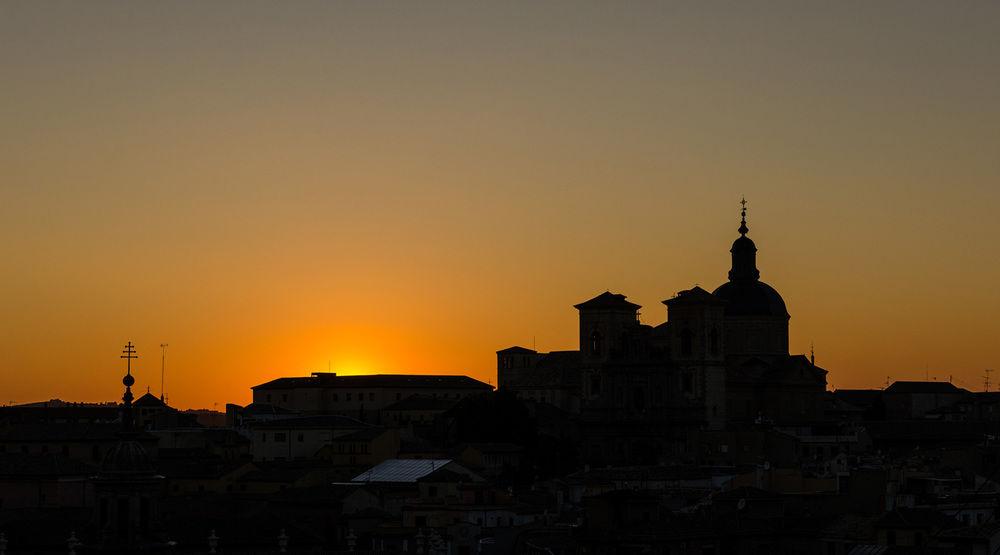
128, 353
743, 214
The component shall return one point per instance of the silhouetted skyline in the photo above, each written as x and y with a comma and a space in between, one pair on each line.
409, 188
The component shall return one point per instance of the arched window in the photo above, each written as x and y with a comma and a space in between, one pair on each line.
595, 342
687, 342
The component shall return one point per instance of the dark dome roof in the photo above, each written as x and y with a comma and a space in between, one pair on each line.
126, 458
751, 298
743, 242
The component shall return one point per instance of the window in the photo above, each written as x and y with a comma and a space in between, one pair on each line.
713, 340
268, 397
335, 397
263, 438
687, 382
302, 437
371, 396
284, 397
687, 342
348, 396
280, 437
595, 343
399, 396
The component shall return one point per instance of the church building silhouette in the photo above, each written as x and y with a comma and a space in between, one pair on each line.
642, 393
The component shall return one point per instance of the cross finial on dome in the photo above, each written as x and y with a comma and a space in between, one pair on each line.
743, 217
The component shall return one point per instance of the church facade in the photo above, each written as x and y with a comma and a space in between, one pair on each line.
641, 392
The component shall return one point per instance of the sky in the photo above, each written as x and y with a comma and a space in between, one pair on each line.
277, 188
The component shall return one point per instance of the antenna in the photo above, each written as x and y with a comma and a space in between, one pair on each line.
986, 379
888, 380
812, 353
163, 366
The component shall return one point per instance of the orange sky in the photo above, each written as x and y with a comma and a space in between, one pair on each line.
410, 187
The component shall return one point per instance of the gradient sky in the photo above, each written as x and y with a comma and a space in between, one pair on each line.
275, 187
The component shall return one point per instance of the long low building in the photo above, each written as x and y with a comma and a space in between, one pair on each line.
361, 397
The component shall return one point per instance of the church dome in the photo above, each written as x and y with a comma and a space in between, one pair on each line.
751, 298
745, 294
126, 458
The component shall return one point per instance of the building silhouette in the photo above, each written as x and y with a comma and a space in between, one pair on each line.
639, 391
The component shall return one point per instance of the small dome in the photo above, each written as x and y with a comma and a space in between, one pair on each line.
126, 458
743, 242
751, 298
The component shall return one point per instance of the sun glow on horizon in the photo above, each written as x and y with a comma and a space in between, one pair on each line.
367, 188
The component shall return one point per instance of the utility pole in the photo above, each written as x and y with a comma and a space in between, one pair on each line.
986, 379
163, 366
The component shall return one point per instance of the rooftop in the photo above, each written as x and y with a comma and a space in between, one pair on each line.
924, 387
388, 381
401, 470
608, 301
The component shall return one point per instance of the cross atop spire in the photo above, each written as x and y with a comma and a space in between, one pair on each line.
743, 217
128, 353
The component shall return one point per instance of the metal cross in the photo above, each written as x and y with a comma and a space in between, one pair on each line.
128, 353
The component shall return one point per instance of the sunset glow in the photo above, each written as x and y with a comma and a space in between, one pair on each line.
379, 188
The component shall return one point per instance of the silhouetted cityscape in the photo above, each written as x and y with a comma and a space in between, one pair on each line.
701, 435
